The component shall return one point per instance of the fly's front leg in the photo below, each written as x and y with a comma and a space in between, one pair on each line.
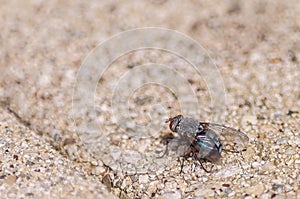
166, 140
165, 153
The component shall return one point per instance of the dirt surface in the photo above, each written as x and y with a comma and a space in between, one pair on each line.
115, 144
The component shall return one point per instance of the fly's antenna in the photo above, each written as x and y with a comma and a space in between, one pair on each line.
168, 120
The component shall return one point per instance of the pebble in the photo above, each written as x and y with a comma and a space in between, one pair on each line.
2, 143
228, 190
290, 152
143, 179
151, 189
276, 187
231, 194
134, 178
255, 164
204, 192
174, 195
94, 163
130, 124
264, 196
255, 57
297, 141
228, 171
171, 184
256, 189
126, 182
160, 170
98, 170
281, 141
130, 169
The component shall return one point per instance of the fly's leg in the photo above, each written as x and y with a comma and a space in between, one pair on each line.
182, 165
166, 151
166, 140
201, 163
230, 151
235, 151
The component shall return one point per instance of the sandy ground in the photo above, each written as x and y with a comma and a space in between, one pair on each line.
44, 153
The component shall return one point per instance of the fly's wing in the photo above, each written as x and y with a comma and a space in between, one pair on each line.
228, 136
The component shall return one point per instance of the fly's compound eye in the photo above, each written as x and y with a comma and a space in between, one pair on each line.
174, 122
171, 125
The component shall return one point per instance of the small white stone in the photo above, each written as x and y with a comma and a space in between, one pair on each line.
228, 171
126, 182
204, 193
290, 152
2, 143
204, 179
297, 141
255, 57
98, 170
281, 141
264, 196
174, 195
255, 164
130, 124
94, 163
143, 179
151, 189
231, 194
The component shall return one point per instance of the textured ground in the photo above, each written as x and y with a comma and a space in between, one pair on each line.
255, 45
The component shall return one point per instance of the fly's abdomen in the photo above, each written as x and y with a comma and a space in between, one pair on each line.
208, 148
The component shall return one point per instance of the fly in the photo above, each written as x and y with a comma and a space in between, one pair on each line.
206, 140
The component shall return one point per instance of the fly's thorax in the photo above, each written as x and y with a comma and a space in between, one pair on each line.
187, 125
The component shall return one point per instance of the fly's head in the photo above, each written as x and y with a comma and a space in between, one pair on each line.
174, 122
